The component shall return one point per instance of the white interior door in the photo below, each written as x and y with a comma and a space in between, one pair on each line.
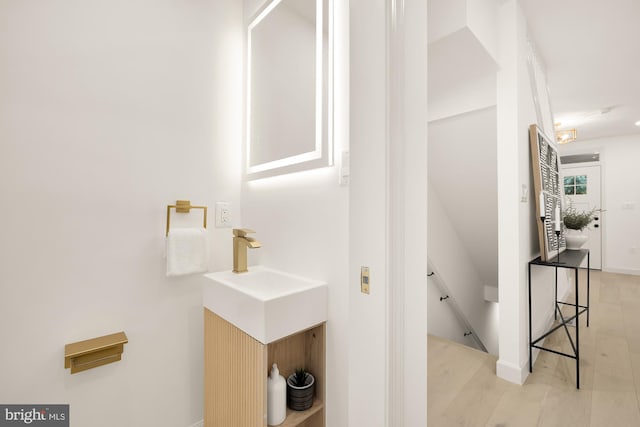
582, 186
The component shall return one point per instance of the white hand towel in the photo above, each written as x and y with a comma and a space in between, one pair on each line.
187, 251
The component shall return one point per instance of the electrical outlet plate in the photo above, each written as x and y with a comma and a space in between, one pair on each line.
223, 214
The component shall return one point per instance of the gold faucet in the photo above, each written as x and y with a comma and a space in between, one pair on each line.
240, 244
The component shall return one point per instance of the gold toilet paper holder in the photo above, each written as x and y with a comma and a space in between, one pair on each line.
82, 355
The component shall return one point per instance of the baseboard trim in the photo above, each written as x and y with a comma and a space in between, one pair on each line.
198, 424
512, 373
633, 272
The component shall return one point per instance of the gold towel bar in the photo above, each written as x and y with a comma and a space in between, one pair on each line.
184, 206
83, 355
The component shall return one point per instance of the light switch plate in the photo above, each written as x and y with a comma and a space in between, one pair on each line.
344, 170
524, 193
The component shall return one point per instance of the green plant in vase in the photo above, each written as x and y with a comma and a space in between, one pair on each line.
578, 220
575, 221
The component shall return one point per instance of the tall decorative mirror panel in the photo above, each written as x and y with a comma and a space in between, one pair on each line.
549, 192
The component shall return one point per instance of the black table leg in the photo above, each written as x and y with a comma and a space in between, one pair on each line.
555, 298
588, 284
530, 335
577, 334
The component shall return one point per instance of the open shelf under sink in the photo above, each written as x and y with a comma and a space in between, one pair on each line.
295, 418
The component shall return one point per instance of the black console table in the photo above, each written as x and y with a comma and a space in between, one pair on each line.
570, 259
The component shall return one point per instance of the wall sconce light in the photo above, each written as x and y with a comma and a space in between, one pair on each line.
566, 136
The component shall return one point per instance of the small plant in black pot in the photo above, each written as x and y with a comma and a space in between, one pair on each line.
300, 390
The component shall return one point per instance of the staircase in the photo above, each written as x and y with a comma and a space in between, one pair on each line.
445, 317
456, 276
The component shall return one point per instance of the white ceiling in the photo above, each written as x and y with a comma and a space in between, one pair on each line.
592, 58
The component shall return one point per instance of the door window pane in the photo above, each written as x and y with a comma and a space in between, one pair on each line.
576, 184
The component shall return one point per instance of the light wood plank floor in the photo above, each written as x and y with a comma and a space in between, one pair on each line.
463, 389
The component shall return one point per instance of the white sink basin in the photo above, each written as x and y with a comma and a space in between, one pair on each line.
265, 303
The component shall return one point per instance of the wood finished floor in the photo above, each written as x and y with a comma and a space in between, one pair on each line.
463, 389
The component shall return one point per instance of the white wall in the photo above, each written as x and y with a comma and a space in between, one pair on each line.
462, 170
445, 17
412, 209
462, 129
621, 199
301, 219
368, 214
479, 16
388, 211
110, 111
517, 231
309, 225
482, 17
516, 219
462, 76
462, 163
117, 110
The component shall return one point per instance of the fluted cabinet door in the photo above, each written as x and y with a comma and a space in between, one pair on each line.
235, 369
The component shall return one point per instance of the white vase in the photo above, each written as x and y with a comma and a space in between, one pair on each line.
575, 238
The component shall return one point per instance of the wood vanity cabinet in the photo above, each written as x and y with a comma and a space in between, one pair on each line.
236, 368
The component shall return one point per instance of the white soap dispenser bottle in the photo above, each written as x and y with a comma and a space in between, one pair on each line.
276, 397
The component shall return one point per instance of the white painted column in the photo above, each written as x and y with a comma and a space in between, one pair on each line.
411, 226
510, 290
368, 216
388, 213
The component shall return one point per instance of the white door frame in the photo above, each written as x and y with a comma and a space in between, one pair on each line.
388, 213
602, 202
407, 207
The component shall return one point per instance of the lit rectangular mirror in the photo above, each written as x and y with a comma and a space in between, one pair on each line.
288, 111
